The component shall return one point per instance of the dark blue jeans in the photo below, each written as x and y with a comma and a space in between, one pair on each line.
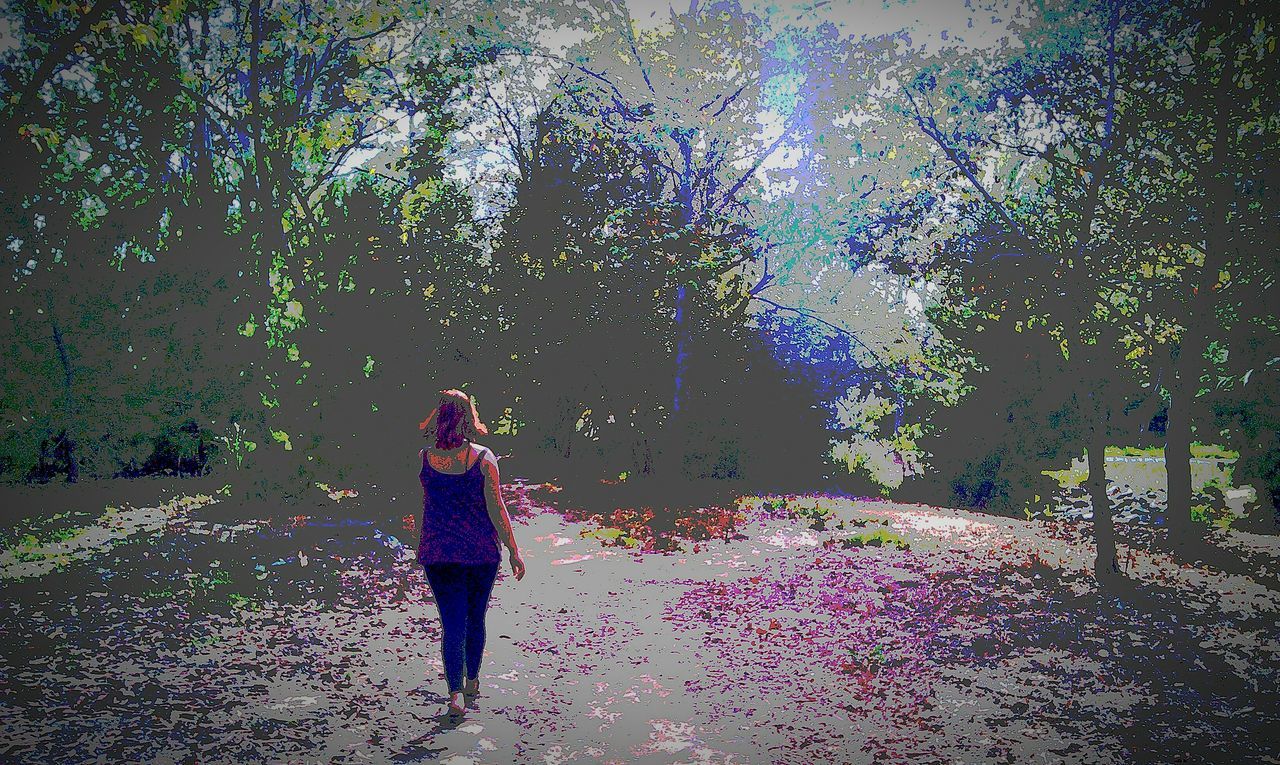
462, 595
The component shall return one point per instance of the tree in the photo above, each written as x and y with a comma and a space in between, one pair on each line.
286, 98
1041, 154
87, 308
1219, 144
688, 97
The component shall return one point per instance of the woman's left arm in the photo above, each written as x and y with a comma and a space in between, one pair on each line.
497, 509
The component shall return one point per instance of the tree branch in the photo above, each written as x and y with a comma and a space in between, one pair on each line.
624, 17
53, 59
930, 128
813, 317
731, 194
729, 99
1096, 174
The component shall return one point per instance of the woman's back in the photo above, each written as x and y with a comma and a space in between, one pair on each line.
455, 520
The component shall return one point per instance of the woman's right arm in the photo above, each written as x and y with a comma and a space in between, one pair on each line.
497, 509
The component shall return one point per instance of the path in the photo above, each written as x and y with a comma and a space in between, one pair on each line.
984, 642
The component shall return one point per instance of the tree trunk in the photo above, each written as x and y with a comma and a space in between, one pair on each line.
262, 191
1201, 321
1104, 532
1177, 455
67, 444
682, 353
672, 457
202, 154
642, 455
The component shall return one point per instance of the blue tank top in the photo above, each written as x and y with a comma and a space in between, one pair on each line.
455, 518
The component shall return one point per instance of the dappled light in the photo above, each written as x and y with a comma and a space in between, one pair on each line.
654, 381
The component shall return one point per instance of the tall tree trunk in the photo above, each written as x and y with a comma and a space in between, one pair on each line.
1177, 451
672, 457
202, 153
675, 437
1105, 565
279, 470
642, 455
682, 351
67, 443
1201, 319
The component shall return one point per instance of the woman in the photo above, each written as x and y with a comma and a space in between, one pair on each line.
463, 517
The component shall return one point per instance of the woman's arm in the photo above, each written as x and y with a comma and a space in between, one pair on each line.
498, 511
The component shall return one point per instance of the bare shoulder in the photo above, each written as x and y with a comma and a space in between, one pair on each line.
488, 458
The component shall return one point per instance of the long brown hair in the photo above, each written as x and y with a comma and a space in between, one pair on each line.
453, 421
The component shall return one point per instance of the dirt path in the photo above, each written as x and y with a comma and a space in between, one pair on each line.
986, 641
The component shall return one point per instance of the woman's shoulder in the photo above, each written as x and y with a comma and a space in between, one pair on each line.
485, 454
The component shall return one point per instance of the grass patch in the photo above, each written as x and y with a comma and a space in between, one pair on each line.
1213, 451
877, 538
816, 516
1067, 478
27, 548
37, 529
237, 601
817, 513
201, 583
611, 536
1133, 451
27, 556
1211, 516
1071, 477
63, 535
1198, 450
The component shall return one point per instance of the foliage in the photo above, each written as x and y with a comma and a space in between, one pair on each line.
737, 244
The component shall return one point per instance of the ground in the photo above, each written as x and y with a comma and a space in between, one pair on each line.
817, 629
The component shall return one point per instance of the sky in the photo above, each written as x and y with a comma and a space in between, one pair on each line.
929, 25
931, 22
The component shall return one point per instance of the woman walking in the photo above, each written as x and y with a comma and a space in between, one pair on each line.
463, 519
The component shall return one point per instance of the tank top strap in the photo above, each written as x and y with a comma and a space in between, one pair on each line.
480, 452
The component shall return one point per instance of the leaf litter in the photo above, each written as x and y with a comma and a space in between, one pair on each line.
765, 637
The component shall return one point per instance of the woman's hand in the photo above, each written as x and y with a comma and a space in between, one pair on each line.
517, 565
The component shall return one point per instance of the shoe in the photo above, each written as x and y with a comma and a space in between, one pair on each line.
471, 687
456, 710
